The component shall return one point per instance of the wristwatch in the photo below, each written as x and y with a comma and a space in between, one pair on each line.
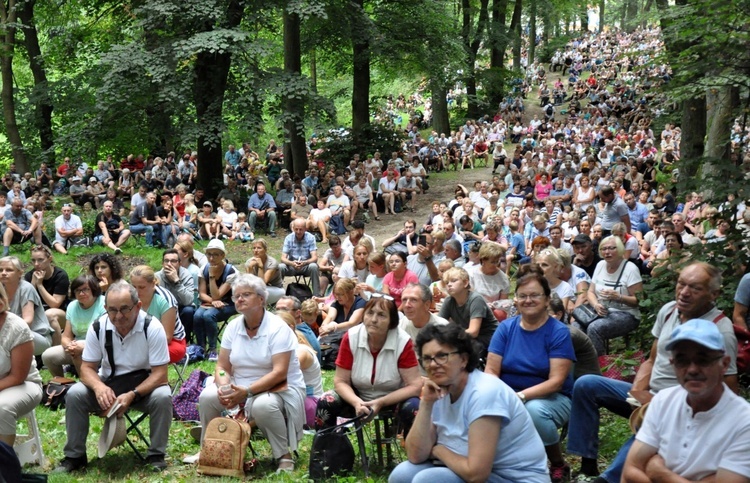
137, 395
249, 393
522, 396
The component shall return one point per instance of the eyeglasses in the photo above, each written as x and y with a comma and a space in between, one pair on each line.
440, 359
607, 249
171, 260
112, 312
242, 296
378, 295
531, 296
84, 290
681, 362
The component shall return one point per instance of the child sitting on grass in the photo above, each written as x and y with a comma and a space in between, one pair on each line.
242, 230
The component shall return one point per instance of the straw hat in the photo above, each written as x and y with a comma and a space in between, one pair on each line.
113, 434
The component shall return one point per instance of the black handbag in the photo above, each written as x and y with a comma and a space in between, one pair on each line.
332, 454
53, 395
585, 314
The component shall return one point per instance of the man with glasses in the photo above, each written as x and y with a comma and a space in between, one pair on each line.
179, 282
20, 226
697, 429
129, 370
698, 286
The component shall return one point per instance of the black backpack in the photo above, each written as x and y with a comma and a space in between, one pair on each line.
329, 349
550, 110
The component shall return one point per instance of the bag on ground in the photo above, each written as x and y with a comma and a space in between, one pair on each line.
299, 290
225, 442
332, 453
185, 403
54, 392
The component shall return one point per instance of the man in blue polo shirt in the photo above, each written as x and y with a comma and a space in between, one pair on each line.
299, 256
638, 214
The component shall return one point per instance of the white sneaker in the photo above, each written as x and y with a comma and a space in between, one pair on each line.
191, 460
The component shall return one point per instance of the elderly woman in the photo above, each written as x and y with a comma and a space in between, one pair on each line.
613, 293
467, 308
551, 262
106, 269
346, 311
545, 385
162, 305
311, 372
24, 301
266, 268
258, 367
81, 312
470, 426
376, 368
20, 382
214, 291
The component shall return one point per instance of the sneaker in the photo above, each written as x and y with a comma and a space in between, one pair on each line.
68, 465
196, 432
273, 234
213, 356
156, 461
559, 474
191, 460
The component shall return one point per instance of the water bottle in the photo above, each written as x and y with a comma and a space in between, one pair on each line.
225, 390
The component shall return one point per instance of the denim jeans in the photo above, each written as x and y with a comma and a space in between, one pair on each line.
206, 324
549, 414
590, 393
614, 472
150, 231
187, 314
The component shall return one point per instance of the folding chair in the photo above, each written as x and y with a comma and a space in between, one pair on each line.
28, 447
386, 436
132, 426
180, 367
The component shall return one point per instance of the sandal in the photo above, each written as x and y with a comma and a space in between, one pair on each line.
286, 465
377, 218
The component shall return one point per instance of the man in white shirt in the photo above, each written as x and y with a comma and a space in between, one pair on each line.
67, 228
408, 189
698, 429
339, 204
363, 193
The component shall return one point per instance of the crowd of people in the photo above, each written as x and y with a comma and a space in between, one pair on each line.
481, 377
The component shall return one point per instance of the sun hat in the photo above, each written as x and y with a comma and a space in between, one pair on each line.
113, 434
216, 245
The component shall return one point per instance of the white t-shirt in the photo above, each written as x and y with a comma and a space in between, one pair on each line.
320, 215
604, 280
489, 286
62, 224
336, 204
362, 194
696, 445
251, 356
227, 219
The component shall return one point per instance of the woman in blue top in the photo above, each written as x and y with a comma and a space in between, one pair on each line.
470, 426
346, 311
533, 354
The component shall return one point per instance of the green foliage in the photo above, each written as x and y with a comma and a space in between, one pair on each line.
340, 145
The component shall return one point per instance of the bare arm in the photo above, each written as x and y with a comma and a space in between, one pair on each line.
739, 315
342, 384
20, 362
412, 384
483, 436
558, 371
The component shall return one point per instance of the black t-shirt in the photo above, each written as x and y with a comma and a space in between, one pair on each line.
143, 211
112, 224
57, 284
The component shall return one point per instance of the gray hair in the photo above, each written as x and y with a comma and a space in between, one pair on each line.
297, 304
455, 244
122, 286
254, 283
13, 261
424, 290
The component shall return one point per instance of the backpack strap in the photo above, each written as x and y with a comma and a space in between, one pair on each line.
109, 346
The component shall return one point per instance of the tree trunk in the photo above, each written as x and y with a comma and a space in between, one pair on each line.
360, 72
721, 102
601, 15
546, 30
209, 86
532, 32
295, 152
693, 126
313, 71
584, 17
631, 15
43, 107
498, 34
440, 117
516, 22
8, 20
472, 44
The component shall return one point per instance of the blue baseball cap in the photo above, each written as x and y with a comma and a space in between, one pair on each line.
702, 332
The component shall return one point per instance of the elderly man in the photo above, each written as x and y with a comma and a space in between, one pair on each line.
678, 219
144, 219
291, 304
697, 430
132, 372
179, 282
68, 227
416, 302
20, 226
408, 190
261, 206
698, 286
299, 255
339, 204
110, 230
453, 251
